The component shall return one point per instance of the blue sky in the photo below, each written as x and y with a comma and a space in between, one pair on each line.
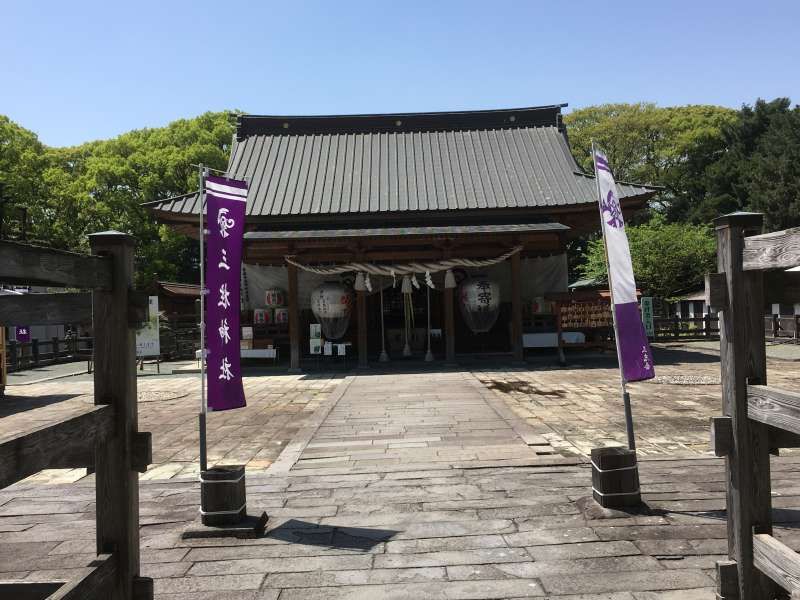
77, 71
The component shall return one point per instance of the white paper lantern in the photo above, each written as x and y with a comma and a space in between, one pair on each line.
479, 299
332, 304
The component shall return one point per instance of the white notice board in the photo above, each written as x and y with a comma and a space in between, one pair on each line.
147, 342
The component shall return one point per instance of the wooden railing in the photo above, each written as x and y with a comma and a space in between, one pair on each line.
25, 355
758, 419
675, 328
782, 328
105, 437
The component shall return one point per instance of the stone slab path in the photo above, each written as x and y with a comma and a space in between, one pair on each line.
445, 534
438, 420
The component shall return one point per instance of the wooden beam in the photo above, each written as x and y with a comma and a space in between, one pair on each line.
28, 590
721, 435
782, 287
69, 443
117, 483
45, 309
775, 407
778, 250
727, 580
716, 290
780, 438
779, 562
361, 309
96, 582
294, 320
516, 308
142, 452
24, 264
138, 308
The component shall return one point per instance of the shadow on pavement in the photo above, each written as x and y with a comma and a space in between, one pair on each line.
354, 538
11, 405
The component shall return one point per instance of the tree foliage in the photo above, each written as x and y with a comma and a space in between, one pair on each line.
71, 192
667, 257
755, 168
643, 142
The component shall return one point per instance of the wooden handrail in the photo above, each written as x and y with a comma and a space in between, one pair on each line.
69, 443
45, 309
778, 250
96, 582
775, 407
105, 436
778, 562
25, 264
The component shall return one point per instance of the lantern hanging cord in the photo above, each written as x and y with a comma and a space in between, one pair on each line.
404, 269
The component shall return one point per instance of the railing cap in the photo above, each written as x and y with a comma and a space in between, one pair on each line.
110, 237
746, 220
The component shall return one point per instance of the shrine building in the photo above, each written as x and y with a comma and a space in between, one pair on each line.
436, 220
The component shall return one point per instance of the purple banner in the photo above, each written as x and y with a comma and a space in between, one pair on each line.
23, 333
226, 200
634, 349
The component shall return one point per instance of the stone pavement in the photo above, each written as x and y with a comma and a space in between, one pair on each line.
579, 407
277, 408
470, 533
418, 485
390, 421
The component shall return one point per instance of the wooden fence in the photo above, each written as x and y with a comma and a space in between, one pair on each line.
783, 328
757, 419
25, 355
675, 328
105, 437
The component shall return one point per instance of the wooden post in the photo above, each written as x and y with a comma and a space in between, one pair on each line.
117, 484
562, 359
361, 308
294, 320
449, 327
12, 352
743, 360
516, 308
3, 367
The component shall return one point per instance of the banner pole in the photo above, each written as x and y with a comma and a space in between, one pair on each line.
203, 406
626, 398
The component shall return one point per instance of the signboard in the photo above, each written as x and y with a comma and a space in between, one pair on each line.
147, 342
646, 305
23, 333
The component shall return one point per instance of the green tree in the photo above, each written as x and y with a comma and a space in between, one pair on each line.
101, 185
21, 166
772, 180
753, 166
667, 257
644, 143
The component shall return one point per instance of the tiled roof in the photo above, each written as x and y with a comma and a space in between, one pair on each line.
375, 164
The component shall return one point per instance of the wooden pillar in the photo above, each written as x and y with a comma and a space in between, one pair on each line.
117, 483
294, 320
743, 360
3, 372
361, 308
516, 307
449, 327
